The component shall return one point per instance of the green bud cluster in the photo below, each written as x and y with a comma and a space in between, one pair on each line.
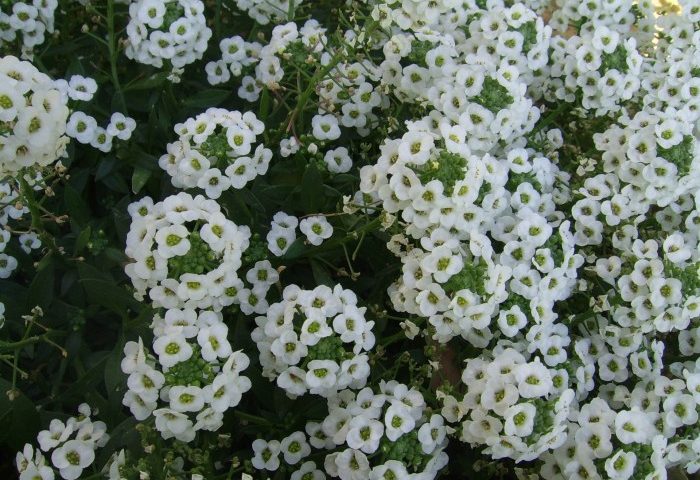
406, 449
329, 348
194, 371
199, 259
448, 169
544, 419
515, 179
529, 32
173, 11
681, 155
419, 49
689, 277
515, 299
616, 60
257, 250
493, 96
471, 277
216, 149
554, 245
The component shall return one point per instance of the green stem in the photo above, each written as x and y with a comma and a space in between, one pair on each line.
28, 195
252, 418
21, 343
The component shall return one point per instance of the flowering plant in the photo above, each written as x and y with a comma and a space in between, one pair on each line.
355, 240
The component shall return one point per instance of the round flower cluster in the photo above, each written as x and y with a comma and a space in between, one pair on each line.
483, 227
240, 57
393, 429
315, 341
174, 32
185, 252
32, 117
71, 445
196, 374
216, 151
518, 409
29, 21
482, 92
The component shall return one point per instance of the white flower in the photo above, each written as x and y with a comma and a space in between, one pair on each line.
173, 241
308, 471
174, 424
72, 457
325, 127
364, 434
519, 419
634, 427
266, 455
432, 434
621, 465
316, 228
338, 160
214, 343
398, 421
186, 399
57, 433
295, 448
121, 126
172, 349
321, 375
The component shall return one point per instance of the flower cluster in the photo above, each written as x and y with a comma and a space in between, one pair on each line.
315, 341
518, 409
32, 117
347, 93
71, 444
84, 128
171, 32
196, 374
216, 151
479, 249
185, 252
29, 21
266, 11
598, 68
392, 429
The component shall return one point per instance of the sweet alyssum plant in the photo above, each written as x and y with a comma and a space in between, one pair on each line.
355, 240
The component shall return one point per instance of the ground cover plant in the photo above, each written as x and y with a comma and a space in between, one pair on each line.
384, 239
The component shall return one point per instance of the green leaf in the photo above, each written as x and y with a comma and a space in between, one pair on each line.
75, 205
312, 189
19, 419
206, 98
264, 107
114, 377
139, 179
41, 290
116, 183
82, 240
105, 167
321, 275
153, 81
